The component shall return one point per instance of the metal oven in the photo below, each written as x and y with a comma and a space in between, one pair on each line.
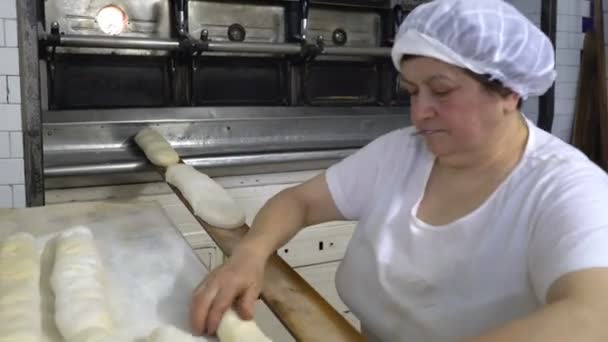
237, 87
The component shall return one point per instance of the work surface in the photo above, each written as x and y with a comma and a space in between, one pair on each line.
152, 271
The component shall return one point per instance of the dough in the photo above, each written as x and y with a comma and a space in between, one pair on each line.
81, 311
169, 333
233, 329
156, 148
209, 200
20, 318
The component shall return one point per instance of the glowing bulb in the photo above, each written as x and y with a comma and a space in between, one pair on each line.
112, 20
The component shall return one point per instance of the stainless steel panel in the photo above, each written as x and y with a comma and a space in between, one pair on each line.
263, 23
207, 163
225, 134
363, 29
147, 18
96, 146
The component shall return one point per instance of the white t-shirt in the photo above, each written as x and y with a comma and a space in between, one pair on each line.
407, 280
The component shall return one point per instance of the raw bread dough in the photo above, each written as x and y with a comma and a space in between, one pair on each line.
233, 329
169, 333
81, 311
209, 200
20, 318
156, 148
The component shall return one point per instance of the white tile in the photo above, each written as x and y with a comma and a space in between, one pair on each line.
6, 195
566, 91
567, 7
569, 23
9, 60
10, 117
564, 74
530, 106
19, 196
585, 8
16, 140
562, 122
14, 89
8, 9
11, 171
562, 40
568, 57
5, 145
577, 40
565, 135
564, 106
2, 32
3, 90
10, 32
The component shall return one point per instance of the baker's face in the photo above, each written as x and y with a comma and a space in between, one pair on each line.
453, 112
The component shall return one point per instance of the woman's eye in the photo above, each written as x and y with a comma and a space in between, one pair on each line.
441, 92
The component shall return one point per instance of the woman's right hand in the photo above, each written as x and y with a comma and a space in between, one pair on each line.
240, 279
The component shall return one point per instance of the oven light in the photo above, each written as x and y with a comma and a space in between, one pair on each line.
112, 20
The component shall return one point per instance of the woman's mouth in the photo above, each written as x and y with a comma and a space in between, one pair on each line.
427, 132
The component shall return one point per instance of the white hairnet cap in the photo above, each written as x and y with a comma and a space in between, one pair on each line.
485, 36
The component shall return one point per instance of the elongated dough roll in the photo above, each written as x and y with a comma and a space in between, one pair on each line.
81, 311
233, 329
209, 200
20, 317
169, 333
156, 147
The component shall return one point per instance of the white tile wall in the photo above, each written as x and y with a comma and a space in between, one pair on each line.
12, 171
11, 115
14, 89
570, 39
10, 31
12, 177
19, 196
16, 141
3, 90
5, 145
8, 9
6, 196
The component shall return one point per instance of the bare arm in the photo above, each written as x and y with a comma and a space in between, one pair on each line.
285, 214
576, 310
241, 277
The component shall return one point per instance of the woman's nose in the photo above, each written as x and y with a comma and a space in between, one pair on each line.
421, 108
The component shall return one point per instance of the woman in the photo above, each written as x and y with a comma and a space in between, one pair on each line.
473, 224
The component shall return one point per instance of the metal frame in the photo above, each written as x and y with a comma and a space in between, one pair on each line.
27, 23
194, 45
546, 105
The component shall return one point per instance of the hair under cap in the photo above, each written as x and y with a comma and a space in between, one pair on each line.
488, 37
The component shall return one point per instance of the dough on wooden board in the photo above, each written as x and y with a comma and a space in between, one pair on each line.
20, 314
156, 147
77, 279
209, 200
233, 329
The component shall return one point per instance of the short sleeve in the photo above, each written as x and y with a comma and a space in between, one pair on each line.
571, 232
351, 181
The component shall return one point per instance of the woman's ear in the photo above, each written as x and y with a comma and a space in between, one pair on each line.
511, 103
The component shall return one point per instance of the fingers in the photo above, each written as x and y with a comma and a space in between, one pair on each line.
223, 301
247, 303
201, 302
